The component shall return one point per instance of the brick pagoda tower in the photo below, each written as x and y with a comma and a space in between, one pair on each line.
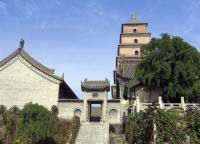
133, 36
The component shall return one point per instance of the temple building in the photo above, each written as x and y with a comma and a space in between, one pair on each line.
134, 35
24, 80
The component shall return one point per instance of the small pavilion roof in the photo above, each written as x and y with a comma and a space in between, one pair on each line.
99, 85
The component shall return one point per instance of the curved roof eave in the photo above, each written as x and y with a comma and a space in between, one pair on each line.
32, 61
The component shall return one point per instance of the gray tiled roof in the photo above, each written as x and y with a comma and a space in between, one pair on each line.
127, 70
95, 85
132, 83
32, 61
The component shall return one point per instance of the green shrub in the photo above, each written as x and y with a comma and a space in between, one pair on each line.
67, 130
36, 123
171, 126
75, 129
139, 127
112, 128
8, 122
193, 125
63, 131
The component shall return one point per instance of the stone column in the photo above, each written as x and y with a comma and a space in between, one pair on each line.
104, 110
138, 106
85, 107
122, 85
160, 102
183, 104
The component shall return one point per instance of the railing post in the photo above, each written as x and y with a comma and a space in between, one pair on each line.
160, 102
154, 133
183, 105
137, 104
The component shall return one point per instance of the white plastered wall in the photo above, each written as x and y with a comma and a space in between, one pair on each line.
21, 83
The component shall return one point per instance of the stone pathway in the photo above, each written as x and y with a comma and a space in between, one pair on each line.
91, 133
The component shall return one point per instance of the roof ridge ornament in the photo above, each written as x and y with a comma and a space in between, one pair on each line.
133, 17
63, 76
21, 44
52, 70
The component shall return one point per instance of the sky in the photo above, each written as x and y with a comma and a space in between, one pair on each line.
79, 37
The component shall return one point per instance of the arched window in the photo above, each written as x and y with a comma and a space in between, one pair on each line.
77, 113
134, 30
135, 41
113, 113
136, 52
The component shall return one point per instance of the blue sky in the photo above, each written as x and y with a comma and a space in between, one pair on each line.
80, 37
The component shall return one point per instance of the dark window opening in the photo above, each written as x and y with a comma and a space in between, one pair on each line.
134, 30
135, 41
136, 53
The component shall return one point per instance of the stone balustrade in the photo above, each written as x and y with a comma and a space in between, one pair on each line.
142, 106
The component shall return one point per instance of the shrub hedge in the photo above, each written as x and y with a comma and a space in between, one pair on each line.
163, 126
35, 124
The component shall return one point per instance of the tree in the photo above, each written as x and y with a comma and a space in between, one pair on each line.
171, 63
13, 115
171, 126
36, 123
3, 123
8, 121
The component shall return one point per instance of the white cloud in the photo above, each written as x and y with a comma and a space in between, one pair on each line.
3, 8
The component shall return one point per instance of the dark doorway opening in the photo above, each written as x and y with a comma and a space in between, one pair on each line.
95, 111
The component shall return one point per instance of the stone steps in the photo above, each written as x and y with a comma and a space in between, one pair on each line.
91, 133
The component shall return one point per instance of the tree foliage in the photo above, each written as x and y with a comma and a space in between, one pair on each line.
36, 123
173, 126
170, 126
193, 125
171, 63
139, 127
8, 122
67, 130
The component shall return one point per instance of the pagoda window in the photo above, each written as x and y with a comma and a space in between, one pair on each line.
135, 41
136, 52
134, 30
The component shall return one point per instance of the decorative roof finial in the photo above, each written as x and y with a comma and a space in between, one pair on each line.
21, 44
63, 75
133, 17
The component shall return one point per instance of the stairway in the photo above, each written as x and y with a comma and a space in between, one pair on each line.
91, 133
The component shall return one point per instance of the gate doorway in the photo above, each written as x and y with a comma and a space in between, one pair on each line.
95, 111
